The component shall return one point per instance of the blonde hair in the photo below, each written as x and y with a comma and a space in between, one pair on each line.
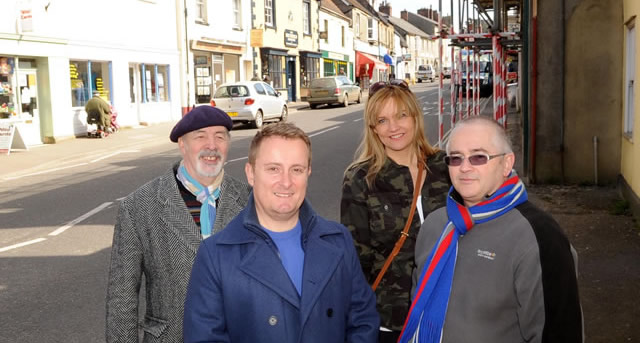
371, 150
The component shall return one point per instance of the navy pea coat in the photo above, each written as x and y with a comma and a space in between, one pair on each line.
240, 292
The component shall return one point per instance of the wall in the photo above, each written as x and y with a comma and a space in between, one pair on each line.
592, 97
630, 147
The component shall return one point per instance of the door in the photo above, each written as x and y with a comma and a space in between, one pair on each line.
291, 78
28, 99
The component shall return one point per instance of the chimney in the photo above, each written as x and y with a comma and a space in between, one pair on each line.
435, 15
404, 15
423, 12
430, 12
385, 8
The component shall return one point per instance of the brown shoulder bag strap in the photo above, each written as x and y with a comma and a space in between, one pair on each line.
405, 232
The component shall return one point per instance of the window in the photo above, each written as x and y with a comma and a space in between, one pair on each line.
270, 90
87, 77
155, 82
201, 10
269, 19
630, 72
273, 68
259, 88
357, 28
342, 28
237, 14
306, 16
132, 85
326, 31
309, 69
203, 79
370, 28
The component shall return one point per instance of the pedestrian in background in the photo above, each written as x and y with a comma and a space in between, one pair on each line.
492, 267
160, 226
279, 272
396, 173
100, 110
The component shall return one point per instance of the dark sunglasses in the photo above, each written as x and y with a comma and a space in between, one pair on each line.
477, 159
382, 84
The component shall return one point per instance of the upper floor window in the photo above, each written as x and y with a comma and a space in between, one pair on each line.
306, 16
342, 27
237, 14
201, 10
357, 26
370, 28
326, 31
269, 20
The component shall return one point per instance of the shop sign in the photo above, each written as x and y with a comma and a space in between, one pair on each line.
26, 16
10, 138
406, 57
256, 38
290, 38
335, 56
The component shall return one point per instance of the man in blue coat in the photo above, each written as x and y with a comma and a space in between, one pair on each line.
279, 272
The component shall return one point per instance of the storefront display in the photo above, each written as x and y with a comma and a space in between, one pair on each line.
7, 88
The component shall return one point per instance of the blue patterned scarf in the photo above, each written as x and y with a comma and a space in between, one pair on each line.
426, 316
207, 196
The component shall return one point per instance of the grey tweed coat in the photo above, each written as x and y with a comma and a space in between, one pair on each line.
156, 236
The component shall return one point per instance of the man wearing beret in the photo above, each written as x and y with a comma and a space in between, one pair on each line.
160, 226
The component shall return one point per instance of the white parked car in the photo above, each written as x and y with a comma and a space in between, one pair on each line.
251, 102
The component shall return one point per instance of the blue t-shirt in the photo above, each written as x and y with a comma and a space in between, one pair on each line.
289, 245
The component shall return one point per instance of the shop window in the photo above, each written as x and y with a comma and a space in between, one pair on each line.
163, 87
275, 71
306, 16
155, 82
201, 11
7, 87
87, 77
237, 14
269, 18
310, 70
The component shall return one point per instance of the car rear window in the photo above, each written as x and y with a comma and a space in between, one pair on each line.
231, 91
323, 83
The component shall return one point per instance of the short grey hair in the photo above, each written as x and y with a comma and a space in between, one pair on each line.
500, 138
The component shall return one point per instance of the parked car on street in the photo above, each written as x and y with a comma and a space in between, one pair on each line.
446, 72
425, 72
251, 102
333, 90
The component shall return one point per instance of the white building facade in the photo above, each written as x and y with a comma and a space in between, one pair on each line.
59, 52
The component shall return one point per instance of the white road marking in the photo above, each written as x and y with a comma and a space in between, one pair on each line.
37, 240
44, 171
359, 119
237, 159
112, 154
324, 131
79, 219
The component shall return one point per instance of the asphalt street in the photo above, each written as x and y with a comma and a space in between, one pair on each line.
58, 206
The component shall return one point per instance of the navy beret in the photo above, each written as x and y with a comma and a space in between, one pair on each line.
199, 117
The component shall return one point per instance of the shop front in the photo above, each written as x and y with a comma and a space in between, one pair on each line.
213, 65
19, 97
336, 64
369, 69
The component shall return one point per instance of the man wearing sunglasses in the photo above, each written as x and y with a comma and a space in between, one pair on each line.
491, 267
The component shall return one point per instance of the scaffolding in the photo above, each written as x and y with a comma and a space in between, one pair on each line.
484, 28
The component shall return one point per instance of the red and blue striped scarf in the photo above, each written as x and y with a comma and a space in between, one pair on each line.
427, 313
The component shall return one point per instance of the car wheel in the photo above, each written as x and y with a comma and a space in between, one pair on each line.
313, 106
359, 97
259, 120
285, 113
345, 102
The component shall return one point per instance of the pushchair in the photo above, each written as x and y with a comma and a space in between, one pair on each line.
94, 118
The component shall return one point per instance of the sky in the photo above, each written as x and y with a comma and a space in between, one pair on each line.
413, 5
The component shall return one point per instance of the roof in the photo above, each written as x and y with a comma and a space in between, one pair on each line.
331, 7
407, 27
425, 24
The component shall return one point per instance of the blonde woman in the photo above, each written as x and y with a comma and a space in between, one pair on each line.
377, 194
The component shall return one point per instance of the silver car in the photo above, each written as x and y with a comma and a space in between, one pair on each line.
333, 90
251, 102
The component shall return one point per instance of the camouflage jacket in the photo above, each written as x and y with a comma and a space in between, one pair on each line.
376, 217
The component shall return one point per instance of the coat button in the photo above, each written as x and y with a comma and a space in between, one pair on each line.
329, 312
386, 207
273, 320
